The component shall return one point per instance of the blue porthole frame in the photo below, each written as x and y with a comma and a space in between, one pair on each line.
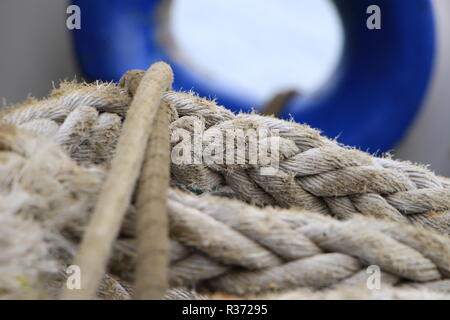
370, 101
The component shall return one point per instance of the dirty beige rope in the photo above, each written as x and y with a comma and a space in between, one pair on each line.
240, 249
226, 245
277, 250
117, 190
315, 173
84, 118
105, 97
43, 193
152, 223
288, 258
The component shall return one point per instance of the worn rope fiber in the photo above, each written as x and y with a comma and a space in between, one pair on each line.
152, 224
316, 173
343, 293
228, 246
118, 188
225, 245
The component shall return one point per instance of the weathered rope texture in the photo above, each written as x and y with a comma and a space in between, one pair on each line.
315, 173
226, 245
240, 249
118, 188
44, 196
152, 222
216, 244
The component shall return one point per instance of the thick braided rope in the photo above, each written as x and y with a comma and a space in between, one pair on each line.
315, 173
45, 197
105, 97
282, 249
43, 194
84, 118
212, 260
212, 238
344, 293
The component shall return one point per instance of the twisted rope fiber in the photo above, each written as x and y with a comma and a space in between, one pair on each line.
326, 177
85, 119
118, 188
316, 173
105, 97
44, 194
279, 249
225, 245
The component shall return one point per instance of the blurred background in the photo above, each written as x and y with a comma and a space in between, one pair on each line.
299, 44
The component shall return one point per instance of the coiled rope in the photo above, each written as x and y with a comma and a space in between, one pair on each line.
316, 173
228, 246
221, 244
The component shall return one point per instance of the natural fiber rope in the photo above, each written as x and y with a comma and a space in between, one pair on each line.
152, 223
117, 190
282, 249
277, 249
316, 173
229, 246
344, 293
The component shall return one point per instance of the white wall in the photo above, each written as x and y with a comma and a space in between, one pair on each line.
429, 138
36, 49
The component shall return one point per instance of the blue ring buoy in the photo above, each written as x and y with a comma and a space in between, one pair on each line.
370, 102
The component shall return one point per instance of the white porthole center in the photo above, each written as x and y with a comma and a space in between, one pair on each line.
259, 47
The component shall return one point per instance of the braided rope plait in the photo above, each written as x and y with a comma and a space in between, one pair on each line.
227, 246
315, 173
85, 119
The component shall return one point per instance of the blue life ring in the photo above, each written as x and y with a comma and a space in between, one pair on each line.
370, 102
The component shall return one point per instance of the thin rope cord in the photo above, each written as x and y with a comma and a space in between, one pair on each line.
117, 190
